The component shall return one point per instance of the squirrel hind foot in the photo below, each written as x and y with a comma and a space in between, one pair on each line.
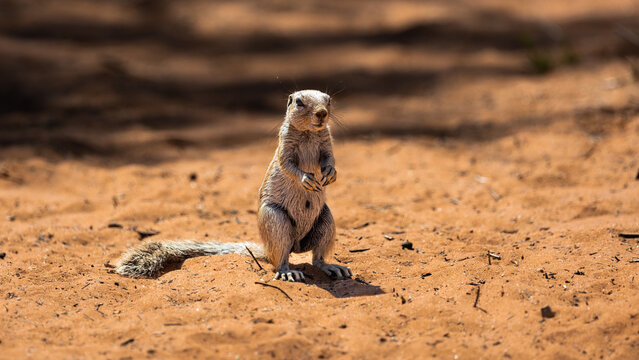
290, 275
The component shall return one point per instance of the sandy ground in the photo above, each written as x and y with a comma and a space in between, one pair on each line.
451, 140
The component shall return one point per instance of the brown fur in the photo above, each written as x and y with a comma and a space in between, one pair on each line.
293, 215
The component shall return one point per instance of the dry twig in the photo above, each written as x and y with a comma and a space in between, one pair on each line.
477, 301
254, 258
274, 287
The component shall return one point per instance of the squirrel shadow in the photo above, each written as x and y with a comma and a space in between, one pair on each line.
338, 288
169, 267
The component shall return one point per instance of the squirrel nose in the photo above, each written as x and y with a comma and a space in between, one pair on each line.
321, 114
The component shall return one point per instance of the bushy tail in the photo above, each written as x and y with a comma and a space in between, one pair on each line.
151, 257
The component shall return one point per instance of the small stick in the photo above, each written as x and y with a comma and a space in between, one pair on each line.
274, 287
97, 308
253, 256
494, 195
361, 226
477, 301
494, 256
634, 261
476, 297
127, 342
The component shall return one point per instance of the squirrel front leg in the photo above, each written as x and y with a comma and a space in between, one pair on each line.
287, 163
327, 164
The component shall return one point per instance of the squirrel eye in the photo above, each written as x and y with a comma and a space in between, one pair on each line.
299, 102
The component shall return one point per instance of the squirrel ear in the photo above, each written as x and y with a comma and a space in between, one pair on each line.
290, 100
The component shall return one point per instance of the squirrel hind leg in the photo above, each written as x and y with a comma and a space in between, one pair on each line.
321, 237
276, 230
321, 240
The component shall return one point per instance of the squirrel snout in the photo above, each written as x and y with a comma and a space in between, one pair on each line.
321, 114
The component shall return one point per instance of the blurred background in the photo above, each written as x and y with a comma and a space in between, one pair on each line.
468, 128
149, 80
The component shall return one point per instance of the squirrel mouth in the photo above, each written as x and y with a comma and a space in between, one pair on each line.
318, 125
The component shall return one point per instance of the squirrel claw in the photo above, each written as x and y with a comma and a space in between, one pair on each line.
310, 183
329, 175
289, 275
336, 272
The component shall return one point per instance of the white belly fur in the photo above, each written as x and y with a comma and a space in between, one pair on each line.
281, 190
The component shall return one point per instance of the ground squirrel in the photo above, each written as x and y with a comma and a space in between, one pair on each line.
292, 215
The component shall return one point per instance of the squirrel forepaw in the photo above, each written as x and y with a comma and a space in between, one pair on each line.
309, 183
329, 175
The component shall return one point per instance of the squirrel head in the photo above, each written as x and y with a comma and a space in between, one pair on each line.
308, 110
